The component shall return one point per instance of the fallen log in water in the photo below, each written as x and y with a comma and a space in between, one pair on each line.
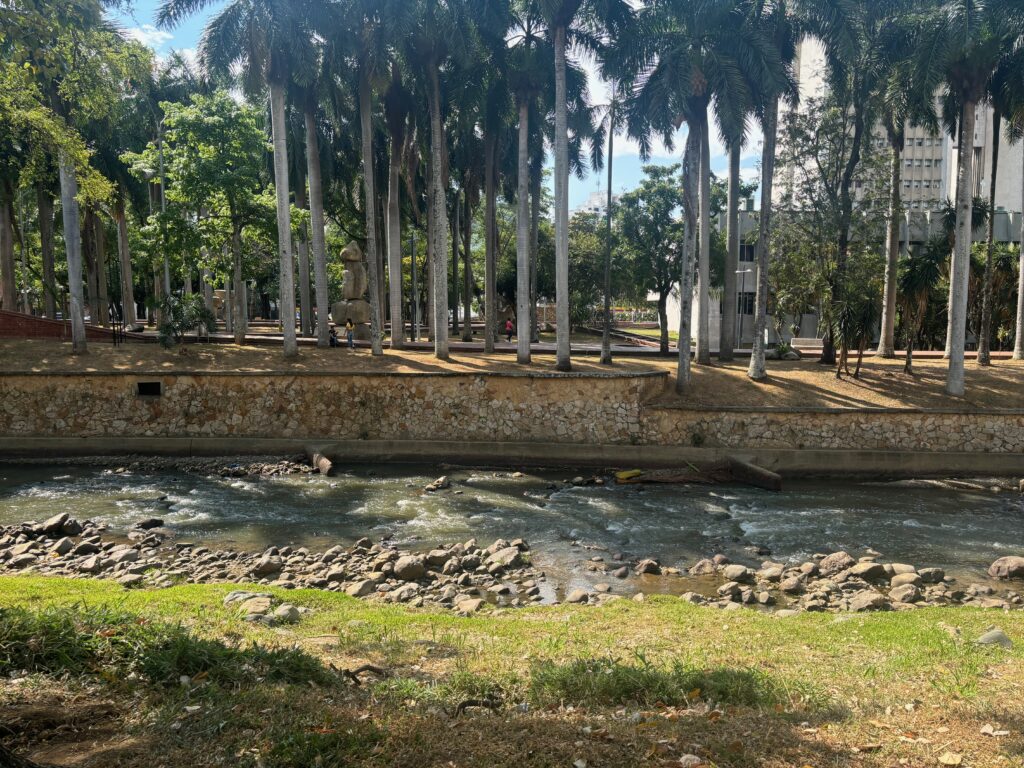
731, 470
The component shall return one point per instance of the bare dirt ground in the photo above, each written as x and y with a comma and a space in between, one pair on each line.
802, 384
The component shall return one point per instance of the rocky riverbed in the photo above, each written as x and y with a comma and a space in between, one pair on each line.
466, 577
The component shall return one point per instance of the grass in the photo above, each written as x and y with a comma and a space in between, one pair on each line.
624, 684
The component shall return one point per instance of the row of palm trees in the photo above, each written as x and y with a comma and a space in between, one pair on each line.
456, 85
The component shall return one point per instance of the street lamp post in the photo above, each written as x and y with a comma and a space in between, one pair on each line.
743, 292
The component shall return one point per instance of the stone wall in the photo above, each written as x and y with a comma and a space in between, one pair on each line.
570, 409
586, 408
892, 430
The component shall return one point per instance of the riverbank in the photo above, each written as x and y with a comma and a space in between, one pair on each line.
97, 675
469, 576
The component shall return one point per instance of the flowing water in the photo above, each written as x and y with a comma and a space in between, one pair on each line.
959, 530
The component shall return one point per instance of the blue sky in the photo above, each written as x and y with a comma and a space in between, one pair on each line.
140, 24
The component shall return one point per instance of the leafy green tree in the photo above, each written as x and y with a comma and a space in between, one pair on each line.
652, 236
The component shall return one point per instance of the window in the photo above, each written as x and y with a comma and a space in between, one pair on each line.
747, 251
906, 185
918, 162
928, 162
917, 185
745, 302
908, 163
938, 162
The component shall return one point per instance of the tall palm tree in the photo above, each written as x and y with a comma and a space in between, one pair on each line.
903, 101
397, 105
1005, 92
262, 36
962, 43
567, 20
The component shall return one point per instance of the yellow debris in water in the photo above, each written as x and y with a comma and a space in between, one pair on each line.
628, 474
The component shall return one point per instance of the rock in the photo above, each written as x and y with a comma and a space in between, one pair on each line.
287, 613
690, 761
123, 555
469, 605
995, 636
649, 566
931, 575
739, 573
905, 593
130, 580
84, 548
703, 567
765, 598
404, 593
22, 561
258, 605
336, 574
693, 598
898, 568
621, 573
868, 600
149, 522
54, 524
507, 557
836, 562
361, 588
785, 613
577, 596
868, 571
602, 587
63, 546
438, 557
729, 589
409, 568
771, 573
72, 528
438, 485
901, 579
267, 565
90, 565
1010, 567
794, 585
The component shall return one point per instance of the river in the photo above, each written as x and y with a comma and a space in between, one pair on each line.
960, 530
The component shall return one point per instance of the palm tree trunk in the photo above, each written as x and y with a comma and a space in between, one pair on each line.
284, 229
490, 241
959, 270
757, 369
439, 230
887, 343
73, 249
606, 330
691, 163
394, 231
535, 174
663, 339
456, 230
467, 269
8, 281
986, 291
523, 237
563, 350
727, 337
125, 258
100, 233
704, 258
302, 249
414, 288
238, 312
370, 209
1018, 340
316, 223
45, 202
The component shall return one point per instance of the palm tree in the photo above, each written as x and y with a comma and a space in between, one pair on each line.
261, 36
903, 101
962, 44
919, 274
1006, 91
569, 19
396, 110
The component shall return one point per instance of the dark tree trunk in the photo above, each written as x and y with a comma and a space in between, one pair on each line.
45, 202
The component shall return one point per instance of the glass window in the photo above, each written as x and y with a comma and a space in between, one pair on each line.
745, 303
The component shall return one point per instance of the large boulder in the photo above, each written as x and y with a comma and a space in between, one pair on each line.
509, 557
836, 562
354, 280
1010, 567
409, 568
55, 524
356, 310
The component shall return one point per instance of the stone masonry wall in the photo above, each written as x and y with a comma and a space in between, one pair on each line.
574, 409
587, 409
838, 430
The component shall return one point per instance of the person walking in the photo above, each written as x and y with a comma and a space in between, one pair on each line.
350, 333
509, 329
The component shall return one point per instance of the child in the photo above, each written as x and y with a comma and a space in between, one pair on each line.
349, 331
509, 328
334, 337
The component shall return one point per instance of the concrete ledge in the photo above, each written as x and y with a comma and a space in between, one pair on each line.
284, 374
788, 462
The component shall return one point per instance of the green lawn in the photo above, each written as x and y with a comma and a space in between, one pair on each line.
655, 680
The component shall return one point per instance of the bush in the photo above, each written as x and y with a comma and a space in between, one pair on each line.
181, 314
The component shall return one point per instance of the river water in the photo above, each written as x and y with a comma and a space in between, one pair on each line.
960, 530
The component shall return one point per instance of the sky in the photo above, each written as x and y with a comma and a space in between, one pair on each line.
140, 24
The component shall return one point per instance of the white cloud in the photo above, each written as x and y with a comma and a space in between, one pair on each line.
149, 35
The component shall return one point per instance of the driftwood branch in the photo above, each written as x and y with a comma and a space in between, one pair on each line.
483, 703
